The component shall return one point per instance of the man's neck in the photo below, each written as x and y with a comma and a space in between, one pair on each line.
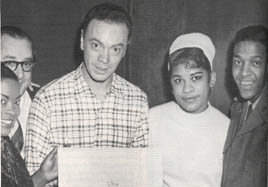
100, 89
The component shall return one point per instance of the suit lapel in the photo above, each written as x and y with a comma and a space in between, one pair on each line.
258, 115
236, 113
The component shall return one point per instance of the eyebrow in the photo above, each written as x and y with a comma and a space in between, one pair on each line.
9, 97
4, 96
120, 45
95, 39
175, 76
30, 59
14, 58
257, 56
196, 73
11, 57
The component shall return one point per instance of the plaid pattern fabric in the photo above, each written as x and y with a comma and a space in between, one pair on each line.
67, 113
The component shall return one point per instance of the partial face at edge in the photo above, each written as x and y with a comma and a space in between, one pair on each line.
249, 68
10, 100
16, 49
191, 87
104, 45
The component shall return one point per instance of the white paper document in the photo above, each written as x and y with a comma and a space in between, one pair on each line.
108, 167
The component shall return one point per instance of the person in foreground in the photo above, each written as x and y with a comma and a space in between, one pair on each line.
245, 150
13, 169
17, 53
190, 132
91, 106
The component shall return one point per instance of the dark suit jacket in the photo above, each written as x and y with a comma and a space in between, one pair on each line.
245, 150
13, 169
32, 93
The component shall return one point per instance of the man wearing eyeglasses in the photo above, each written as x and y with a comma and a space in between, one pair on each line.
17, 54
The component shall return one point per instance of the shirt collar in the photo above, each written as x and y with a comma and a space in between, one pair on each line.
78, 72
115, 88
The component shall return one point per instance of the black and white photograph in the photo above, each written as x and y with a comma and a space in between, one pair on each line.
134, 93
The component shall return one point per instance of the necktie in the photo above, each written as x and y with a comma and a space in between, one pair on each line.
249, 110
17, 138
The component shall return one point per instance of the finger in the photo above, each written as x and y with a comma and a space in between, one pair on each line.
31, 88
53, 152
35, 85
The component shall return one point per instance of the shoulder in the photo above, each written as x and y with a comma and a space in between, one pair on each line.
262, 106
218, 116
32, 92
237, 103
163, 119
163, 113
163, 108
129, 89
56, 86
236, 107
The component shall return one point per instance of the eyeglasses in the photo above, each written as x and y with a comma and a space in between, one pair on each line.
27, 66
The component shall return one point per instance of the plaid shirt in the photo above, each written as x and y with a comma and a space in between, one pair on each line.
66, 113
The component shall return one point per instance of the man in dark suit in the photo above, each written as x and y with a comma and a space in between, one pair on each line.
18, 55
245, 151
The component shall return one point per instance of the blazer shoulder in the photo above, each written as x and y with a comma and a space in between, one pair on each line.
237, 105
32, 92
263, 107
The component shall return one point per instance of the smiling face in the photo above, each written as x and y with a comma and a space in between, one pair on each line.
10, 98
191, 87
17, 49
104, 45
249, 68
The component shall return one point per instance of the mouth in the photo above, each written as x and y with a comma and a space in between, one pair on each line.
101, 69
190, 99
7, 123
247, 83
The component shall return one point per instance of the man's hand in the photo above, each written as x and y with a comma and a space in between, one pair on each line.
49, 167
33, 85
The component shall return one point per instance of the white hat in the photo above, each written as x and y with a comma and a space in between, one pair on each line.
196, 39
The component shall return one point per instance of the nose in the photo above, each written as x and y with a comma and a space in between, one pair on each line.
104, 56
245, 69
12, 110
19, 72
188, 87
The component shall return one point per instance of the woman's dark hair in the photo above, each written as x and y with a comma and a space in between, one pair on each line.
6, 73
192, 58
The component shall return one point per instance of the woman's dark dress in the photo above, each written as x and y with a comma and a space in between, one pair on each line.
13, 170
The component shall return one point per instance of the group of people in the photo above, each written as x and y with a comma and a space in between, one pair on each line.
93, 106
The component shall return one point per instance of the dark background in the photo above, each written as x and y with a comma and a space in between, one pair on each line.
53, 26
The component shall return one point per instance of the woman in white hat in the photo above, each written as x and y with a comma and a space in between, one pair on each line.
189, 132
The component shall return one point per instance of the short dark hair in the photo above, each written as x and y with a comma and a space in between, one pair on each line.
192, 57
255, 33
6, 73
108, 12
18, 33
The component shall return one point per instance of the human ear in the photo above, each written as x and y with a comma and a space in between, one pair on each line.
212, 80
82, 40
129, 41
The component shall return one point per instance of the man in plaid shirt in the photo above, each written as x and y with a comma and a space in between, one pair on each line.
91, 106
